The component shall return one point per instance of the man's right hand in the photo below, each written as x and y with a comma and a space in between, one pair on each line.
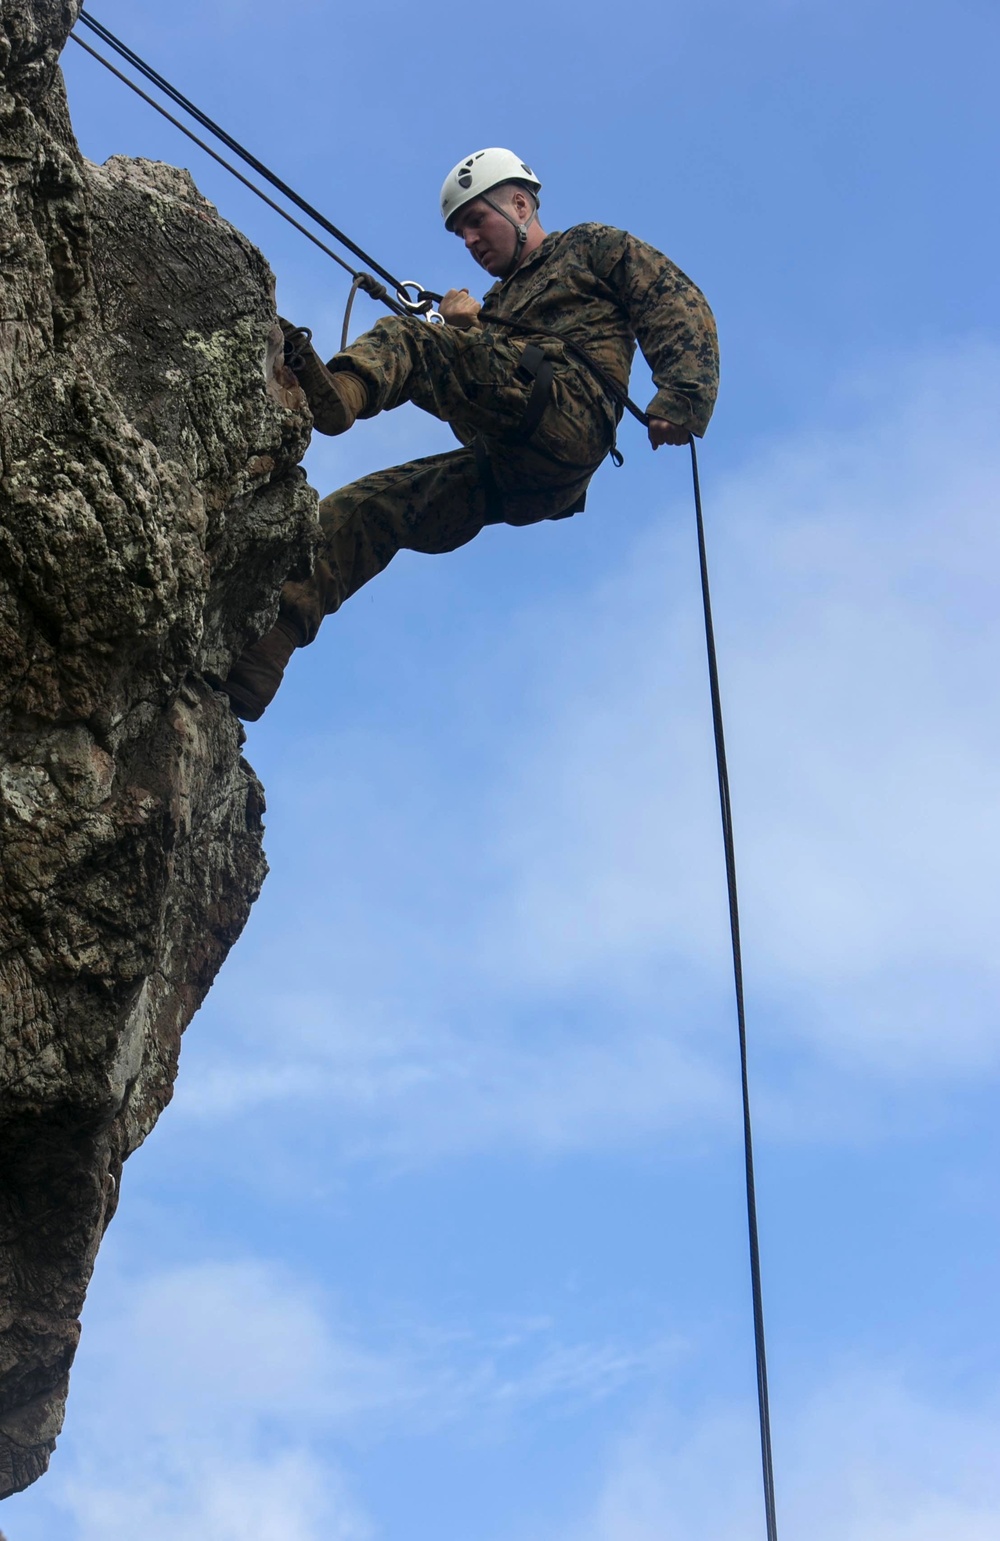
662, 432
460, 309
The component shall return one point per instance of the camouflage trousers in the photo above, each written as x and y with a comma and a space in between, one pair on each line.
471, 381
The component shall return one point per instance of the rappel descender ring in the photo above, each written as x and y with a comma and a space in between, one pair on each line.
422, 305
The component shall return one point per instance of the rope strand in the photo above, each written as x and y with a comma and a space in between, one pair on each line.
245, 155
763, 1403
213, 153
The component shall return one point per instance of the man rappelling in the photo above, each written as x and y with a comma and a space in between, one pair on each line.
532, 382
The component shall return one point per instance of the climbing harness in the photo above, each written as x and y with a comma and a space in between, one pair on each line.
410, 298
536, 368
617, 392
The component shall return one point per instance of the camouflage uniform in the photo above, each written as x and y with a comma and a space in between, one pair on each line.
596, 285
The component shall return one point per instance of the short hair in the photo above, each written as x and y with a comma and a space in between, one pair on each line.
507, 189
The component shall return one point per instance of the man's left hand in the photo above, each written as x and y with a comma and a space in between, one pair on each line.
662, 432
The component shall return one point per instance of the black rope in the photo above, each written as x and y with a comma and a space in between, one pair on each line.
734, 927
214, 128
358, 277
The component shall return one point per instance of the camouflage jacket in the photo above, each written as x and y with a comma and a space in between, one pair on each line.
606, 290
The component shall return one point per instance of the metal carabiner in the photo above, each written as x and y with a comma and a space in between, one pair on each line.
423, 305
419, 306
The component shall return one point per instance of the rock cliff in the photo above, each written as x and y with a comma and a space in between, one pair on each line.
150, 504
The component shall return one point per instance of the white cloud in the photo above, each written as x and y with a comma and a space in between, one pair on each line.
418, 1092
206, 1398
864, 1460
197, 1398
234, 1341
290, 1497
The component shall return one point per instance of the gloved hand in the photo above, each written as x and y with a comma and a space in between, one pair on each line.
460, 309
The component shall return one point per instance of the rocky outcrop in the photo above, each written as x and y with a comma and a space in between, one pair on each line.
150, 503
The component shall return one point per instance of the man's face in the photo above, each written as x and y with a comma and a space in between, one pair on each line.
489, 238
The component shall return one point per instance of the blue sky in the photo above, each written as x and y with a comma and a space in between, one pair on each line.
443, 1232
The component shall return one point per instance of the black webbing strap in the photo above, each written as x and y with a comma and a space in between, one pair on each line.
539, 370
610, 385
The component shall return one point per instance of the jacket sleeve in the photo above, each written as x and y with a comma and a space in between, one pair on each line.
675, 331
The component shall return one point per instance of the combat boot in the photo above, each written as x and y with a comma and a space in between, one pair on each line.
255, 676
336, 397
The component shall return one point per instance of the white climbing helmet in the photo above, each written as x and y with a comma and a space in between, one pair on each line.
479, 174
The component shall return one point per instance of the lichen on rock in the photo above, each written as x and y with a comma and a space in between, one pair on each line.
151, 503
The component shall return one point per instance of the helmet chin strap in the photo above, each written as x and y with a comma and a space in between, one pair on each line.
520, 230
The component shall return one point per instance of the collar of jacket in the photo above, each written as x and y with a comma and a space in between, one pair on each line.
545, 249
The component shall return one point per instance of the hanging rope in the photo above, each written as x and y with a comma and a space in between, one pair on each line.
420, 304
763, 1404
